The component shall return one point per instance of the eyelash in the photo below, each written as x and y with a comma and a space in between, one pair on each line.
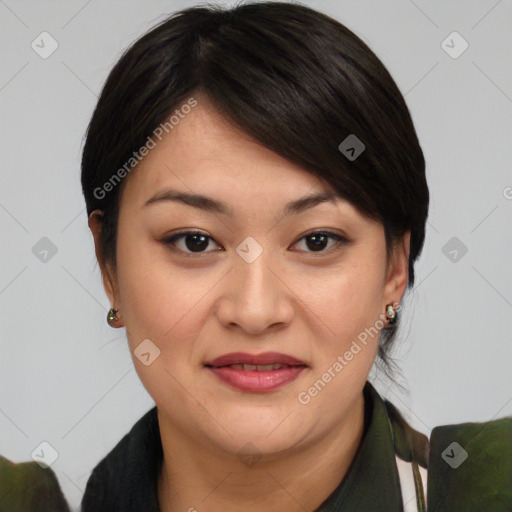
171, 241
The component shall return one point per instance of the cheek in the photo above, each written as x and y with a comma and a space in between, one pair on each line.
155, 297
161, 304
348, 314
352, 299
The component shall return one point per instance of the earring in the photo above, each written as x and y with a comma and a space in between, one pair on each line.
391, 313
112, 317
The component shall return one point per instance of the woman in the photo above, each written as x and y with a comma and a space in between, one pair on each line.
257, 196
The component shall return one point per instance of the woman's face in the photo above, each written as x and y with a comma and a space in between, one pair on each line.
255, 281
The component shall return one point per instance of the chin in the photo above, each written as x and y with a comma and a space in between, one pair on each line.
256, 446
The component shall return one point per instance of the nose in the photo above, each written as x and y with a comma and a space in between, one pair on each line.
256, 297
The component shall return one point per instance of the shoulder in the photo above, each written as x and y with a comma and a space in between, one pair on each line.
27, 486
127, 472
470, 466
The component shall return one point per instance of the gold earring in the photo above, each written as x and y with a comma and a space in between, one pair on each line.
391, 313
112, 317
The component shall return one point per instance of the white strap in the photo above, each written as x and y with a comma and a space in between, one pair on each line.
406, 474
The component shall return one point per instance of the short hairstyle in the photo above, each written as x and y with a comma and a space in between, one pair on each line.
292, 78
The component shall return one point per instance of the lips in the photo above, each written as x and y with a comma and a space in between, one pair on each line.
256, 373
261, 360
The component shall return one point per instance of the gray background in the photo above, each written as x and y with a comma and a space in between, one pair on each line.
68, 379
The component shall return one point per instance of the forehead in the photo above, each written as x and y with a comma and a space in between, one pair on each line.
205, 153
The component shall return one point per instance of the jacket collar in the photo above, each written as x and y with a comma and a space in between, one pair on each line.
372, 482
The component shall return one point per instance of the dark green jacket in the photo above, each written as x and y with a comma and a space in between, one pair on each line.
126, 479
27, 487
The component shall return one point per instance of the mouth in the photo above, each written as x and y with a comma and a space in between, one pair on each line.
256, 372
255, 367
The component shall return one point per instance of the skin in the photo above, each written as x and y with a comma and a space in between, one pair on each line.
292, 299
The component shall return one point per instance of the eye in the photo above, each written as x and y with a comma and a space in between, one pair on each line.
317, 240
194, 241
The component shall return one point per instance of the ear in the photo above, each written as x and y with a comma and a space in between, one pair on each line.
108, 275
398, 269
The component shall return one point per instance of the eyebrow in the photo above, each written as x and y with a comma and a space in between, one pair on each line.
209, 204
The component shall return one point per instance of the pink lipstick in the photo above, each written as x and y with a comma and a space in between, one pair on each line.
256, 372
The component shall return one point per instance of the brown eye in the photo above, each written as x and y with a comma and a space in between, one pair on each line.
193, 241
318, 240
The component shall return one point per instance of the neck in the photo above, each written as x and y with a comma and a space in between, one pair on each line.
203, 480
